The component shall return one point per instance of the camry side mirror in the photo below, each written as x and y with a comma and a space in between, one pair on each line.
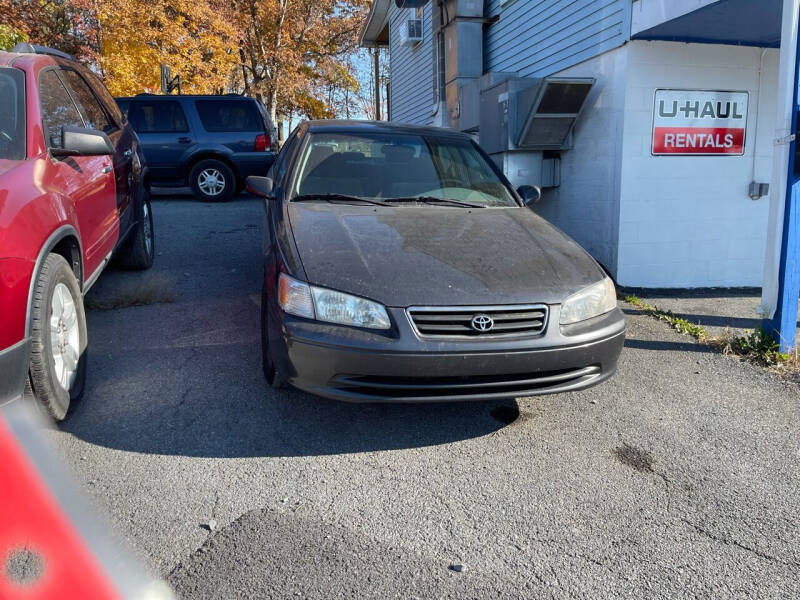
81, 141
259, 186
530, 194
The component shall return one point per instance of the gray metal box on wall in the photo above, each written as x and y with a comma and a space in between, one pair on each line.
498, 118
467, 98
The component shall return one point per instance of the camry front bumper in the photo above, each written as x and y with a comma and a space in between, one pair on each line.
355, 365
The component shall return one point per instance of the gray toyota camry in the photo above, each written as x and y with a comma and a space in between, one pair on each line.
401, 266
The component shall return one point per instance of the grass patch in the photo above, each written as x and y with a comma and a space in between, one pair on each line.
756, 346
154, 288
667, 316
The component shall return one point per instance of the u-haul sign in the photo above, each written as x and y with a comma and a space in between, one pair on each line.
687, 122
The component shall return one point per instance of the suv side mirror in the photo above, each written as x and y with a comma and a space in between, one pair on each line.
259, 186
530, 194
81, 141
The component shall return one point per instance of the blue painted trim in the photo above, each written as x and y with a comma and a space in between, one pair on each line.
693, 40
738, 23
784, 324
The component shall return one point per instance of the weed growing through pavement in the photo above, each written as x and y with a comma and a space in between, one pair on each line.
756, 346
678, 323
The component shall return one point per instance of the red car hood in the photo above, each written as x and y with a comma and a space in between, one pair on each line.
8, 165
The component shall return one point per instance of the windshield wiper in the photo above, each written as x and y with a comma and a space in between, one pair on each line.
434, 200
335, 198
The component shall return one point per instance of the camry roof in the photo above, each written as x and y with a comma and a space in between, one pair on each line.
352, 126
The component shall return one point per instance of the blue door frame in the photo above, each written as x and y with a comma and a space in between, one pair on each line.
784, 324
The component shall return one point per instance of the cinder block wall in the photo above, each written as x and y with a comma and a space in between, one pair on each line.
687, 221
586, 205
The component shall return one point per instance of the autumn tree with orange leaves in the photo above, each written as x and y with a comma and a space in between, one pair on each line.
195, 38
294, 55
69, 25
294, 51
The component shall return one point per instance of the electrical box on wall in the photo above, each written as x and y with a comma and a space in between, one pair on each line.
529, 168
551, 172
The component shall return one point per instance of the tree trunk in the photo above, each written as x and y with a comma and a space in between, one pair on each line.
244, 72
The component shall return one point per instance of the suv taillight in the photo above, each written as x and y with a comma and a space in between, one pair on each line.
261, 144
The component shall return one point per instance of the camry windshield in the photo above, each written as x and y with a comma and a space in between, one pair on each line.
12, 116
397, 169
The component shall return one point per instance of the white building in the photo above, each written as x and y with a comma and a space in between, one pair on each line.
658, 174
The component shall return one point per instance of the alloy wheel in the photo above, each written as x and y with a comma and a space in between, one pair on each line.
64, 336
148, 228
211, 182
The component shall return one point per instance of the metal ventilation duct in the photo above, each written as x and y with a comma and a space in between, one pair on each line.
410, 3
549, 112
531, 114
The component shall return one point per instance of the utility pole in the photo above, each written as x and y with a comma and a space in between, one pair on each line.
782, 273
376, 67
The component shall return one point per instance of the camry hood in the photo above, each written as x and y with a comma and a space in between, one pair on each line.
428, 255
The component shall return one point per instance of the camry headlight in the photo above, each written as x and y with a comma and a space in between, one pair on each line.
597, 299
304, 300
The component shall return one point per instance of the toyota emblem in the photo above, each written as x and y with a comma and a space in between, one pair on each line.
482, 323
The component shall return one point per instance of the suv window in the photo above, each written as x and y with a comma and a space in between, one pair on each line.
124, 104
229, 115
106, 99
159, 116
12, 117
57, 108
88, 104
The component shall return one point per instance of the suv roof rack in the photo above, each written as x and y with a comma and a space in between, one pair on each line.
25, 48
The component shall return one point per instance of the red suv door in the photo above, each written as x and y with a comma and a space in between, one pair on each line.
87, 180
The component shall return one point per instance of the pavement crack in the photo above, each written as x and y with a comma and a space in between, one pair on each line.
216, 505
184, 397
730, 542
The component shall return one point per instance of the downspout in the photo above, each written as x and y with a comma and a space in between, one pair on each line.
437, 53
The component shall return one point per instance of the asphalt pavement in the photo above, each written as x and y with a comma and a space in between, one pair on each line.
678, 478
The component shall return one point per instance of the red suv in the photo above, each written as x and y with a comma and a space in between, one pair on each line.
73, 193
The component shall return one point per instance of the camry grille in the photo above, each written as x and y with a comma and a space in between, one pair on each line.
479, 321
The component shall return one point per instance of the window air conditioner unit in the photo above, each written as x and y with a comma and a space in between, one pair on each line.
411, 32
